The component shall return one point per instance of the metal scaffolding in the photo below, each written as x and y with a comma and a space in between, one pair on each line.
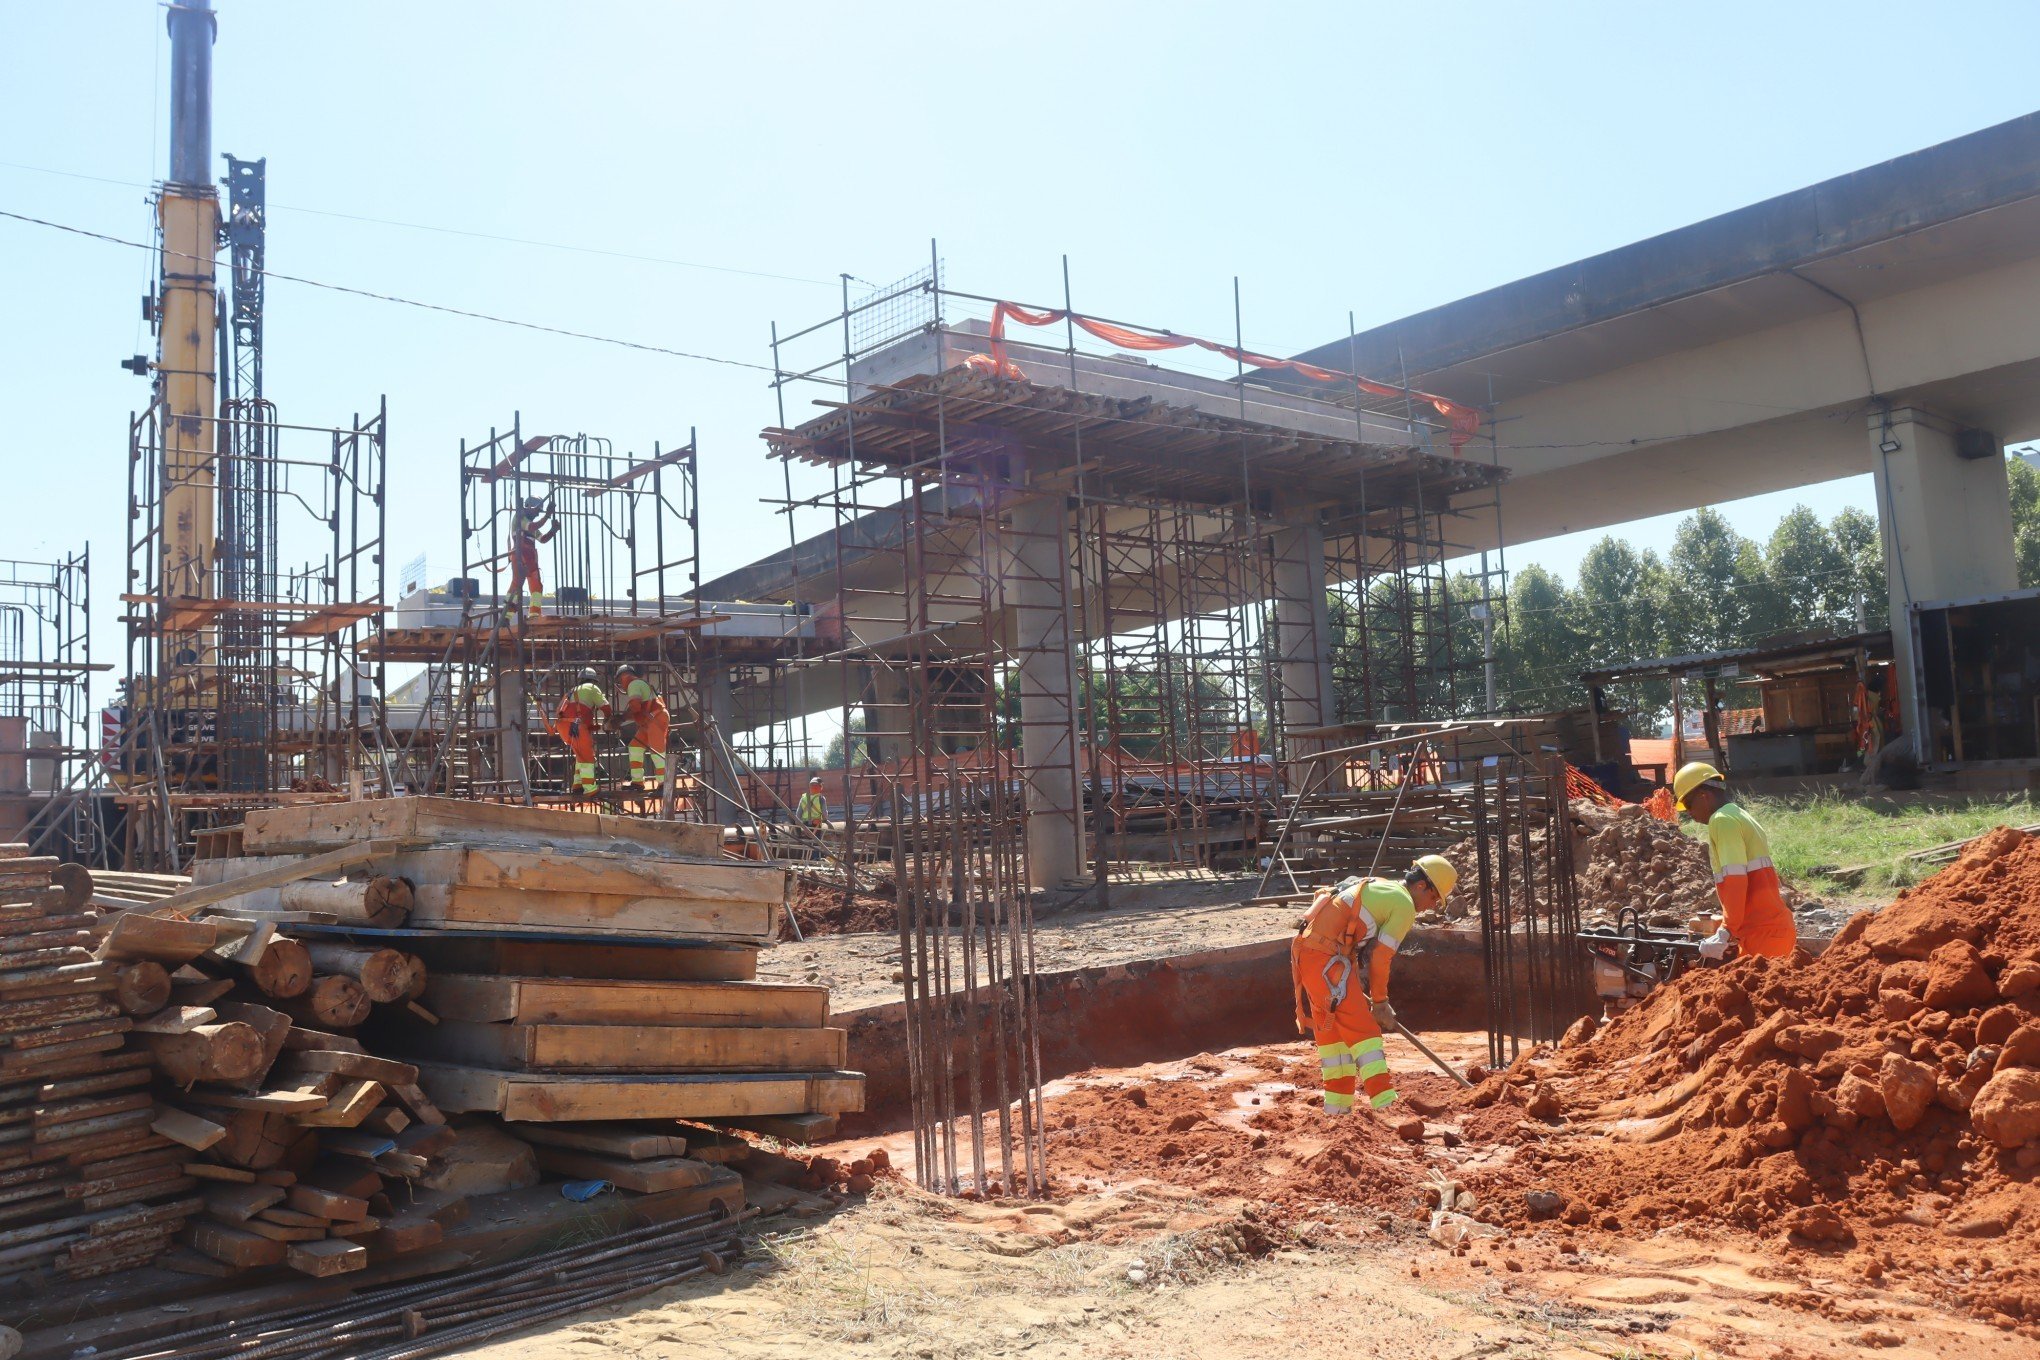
243, 688
50, 771
619, 568
1076, 606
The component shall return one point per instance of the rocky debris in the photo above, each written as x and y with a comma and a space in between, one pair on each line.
1885, 1094
2007, 1109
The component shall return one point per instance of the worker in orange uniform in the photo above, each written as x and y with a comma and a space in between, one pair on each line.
1754, 917
812, 811
584, 705
644, 726
1362, 916
531, 524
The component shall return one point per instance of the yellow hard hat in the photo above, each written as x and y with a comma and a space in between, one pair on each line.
1690, 777
1444, 878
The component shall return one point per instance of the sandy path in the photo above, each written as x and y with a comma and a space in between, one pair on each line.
1191, 916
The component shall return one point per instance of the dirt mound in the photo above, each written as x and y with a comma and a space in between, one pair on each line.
1882, 1099
1624, 858
819, 907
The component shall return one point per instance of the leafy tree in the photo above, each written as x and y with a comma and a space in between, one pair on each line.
1861, 544
1808, 579
1544, 641
832, 755
1620, 597
1712, 600
2025, 489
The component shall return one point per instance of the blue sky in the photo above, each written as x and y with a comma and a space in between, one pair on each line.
1376, 159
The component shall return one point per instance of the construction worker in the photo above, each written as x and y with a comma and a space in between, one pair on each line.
584, 705
812, 811
1370, 916
644, 726
531, 524
1754, 917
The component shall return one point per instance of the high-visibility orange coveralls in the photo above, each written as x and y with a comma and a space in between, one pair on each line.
528, 529
645, 708
1752, 903
1323, 958
576, 727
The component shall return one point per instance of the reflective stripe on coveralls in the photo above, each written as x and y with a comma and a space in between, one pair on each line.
576, 727
648, 711
1340, 924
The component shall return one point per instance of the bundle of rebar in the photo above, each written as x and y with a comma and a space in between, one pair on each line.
1534, 973
430, 1317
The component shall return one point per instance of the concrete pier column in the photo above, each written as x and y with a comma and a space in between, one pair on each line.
1947, 523
1303, 654
1037, 593
718, 772
511, 743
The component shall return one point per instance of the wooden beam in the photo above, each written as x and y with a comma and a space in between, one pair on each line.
630, 1048
548, 1098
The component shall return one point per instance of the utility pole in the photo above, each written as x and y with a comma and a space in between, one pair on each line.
1485, 617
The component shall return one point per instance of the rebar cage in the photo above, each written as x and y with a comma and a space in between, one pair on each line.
619, 571
50, 771
1072, 603
244, 688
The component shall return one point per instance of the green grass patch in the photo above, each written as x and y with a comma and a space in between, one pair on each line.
1813, 836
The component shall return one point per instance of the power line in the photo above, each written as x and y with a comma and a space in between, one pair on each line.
470, 233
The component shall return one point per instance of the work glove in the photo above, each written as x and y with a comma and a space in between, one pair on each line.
1715, 946
1384, 1015
574, 729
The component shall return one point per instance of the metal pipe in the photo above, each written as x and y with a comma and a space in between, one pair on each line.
192, 29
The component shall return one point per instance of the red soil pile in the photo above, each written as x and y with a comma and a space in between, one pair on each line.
1255, 1133
821, 910
1882, 1100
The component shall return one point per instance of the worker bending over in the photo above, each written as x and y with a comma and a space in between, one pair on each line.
531, 524
812, 811
579, 711
644, 726
1754, 917
1370, 916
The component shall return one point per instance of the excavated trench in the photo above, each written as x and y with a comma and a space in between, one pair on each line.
1153, 1010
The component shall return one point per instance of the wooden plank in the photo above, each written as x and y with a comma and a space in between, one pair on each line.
176, 1020
578, 871
232, 1245
165, 939
346, 1108
615, 1140
331, 1256
286, 1101
657, 1173
513, 957
290, 830
798, 1129
327, 864
593, 913
549, 1098
619, 1048
365, 1066
239, 1203
591, 1001
328, 1204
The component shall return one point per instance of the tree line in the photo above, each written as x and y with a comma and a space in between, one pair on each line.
1712, 589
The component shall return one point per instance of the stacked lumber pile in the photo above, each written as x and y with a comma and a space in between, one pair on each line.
576, 966
309, 1150
87, 1186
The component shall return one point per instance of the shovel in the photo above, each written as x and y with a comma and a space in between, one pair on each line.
1424, 1049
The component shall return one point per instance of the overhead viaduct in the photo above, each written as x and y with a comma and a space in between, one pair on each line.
1886, 321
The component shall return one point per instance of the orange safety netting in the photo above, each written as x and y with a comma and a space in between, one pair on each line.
1580, 784
1463, 421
